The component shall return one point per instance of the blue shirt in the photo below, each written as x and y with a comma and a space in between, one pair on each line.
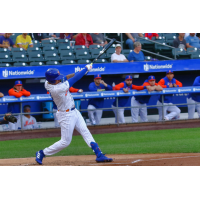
136, 56
193, 41
195, 96
97, 102
6, 41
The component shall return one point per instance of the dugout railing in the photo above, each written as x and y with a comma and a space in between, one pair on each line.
103, 94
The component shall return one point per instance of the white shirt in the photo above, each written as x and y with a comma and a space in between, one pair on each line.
120, 57
28, 123
61, 95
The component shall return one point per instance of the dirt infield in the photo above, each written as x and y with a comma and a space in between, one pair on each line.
175, 159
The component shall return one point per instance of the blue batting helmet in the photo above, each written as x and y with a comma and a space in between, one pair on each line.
53, 74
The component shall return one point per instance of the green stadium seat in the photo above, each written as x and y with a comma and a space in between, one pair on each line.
20, 57
170, 37
193, 50
84, 61
5, 58
46, 43
80, 47
195, 56
50, 48
63, 41
109, 52
68, 62
35, 57
34, 49
52, 63
50, 56
18, 50
36, 63
126, 52
148, 58
5, 65
20, 64
67, 56
4, 50
82, 54
101, 61
64, 51
95, 53
180, 53
64, 47
36, 43
91, 47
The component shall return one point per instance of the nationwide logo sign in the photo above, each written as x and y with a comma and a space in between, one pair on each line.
26, 98
99, 69
165, 91
184, 90
77, 95
141, 92
122, 93
9, 99
91, 95
40, 97
196, 89
107, 94
6, 73
147, 67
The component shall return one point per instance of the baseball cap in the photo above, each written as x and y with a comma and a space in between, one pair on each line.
97, 76
118, 45
151, 78
128, 77
26, 106
18, 83
169, 72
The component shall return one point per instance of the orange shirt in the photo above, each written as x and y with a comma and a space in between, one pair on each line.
12, 92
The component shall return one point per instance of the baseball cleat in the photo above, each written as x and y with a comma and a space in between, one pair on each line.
103, 158
39, 157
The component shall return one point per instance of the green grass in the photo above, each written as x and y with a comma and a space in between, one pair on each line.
155, 141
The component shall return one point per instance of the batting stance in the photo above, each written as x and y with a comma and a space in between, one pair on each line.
122, 101
97, 85
141, 101
194, 98
68, 116
168, 82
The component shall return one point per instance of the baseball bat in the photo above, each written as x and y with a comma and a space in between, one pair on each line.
104, 50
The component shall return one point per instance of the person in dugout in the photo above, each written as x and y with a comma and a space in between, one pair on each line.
72, 90
122, 101
142, 101
170, 111
97, 86
17, 91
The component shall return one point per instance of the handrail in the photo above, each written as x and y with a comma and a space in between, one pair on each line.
157, 54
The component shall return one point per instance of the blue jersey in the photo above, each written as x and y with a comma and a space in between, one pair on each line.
195, 96
97, 102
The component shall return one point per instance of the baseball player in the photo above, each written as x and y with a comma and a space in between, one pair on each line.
16, 91
97, 85
194, 98
68, 116
142, 101
7, 118
168, 82
28, 121
72, 90
122, 101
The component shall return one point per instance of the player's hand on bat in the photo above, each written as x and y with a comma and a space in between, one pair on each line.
89, 67
80, 91
125, 90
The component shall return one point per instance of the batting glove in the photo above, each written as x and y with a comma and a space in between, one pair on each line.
89, 67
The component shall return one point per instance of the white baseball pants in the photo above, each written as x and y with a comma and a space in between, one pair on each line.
136, 111
120, 114
68, 122
174, 111
55, 119
95, 115
14, 126
191, 108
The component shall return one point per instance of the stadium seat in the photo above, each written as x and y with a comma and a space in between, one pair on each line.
169, 38
50, 48
36, 63
20, 57
34, 49
35, 57
5, 65
5, 58
46, 43
91, 47
52, 63
195, 56
18, 50
67, 56
67, 62
82, 54
193, 50
20, 64
80, 47
36, 43
64, 47
63, 41
64, 51
109, 52
95, 53
4, 50
180, 53
101, 61
126, 52
148, 58
50, 56
114, 35
84, 61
